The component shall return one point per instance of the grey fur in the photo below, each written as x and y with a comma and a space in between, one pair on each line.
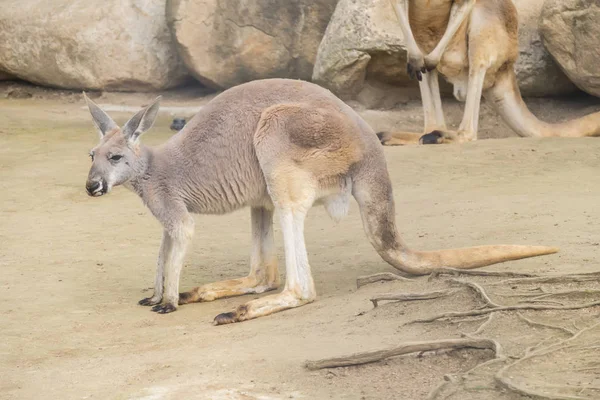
273, 144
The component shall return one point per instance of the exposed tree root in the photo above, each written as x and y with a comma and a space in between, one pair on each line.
591, 276
537, 299
476, 272
478, 290
484, 325
455, 314
491, 306
410, 296
547, 294
383, 276
503, 378
536, 323
404, 348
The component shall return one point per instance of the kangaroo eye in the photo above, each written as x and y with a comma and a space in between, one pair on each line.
116, 157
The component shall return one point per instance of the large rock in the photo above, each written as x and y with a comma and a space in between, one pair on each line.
6, 77
112, 44
363, 42
537, 73
570, 30
227, 42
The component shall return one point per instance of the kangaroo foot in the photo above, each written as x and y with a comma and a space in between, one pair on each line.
149, 301
434, 137
263, 306
164, 308
230, 288
398, 138
444, 137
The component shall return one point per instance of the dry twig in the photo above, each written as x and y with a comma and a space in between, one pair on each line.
544, 325
475, 272
484, 325
479, 290
410, 296
383, 276
565, 293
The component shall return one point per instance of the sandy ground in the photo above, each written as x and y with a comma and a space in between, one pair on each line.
74, 267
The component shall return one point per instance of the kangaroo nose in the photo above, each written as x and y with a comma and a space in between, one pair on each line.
93, 187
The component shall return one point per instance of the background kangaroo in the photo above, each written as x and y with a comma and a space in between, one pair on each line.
473, 43
273, 144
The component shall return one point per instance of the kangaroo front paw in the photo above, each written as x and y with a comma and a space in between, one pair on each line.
164, 308
431, 63
149, 301
415, 67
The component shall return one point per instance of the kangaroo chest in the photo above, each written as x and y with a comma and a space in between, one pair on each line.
428, 21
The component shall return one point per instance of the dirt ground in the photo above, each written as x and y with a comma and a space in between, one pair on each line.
73, 268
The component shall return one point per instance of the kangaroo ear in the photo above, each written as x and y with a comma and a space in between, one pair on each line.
142, 121
102, 121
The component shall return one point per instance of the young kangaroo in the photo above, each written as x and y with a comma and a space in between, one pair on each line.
473, 43
273, 144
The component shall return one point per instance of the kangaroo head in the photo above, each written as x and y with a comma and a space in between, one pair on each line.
117, 158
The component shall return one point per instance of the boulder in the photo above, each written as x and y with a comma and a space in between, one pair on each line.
227, 42
6, 77
570, 32
122, 45
537, 73
363, 42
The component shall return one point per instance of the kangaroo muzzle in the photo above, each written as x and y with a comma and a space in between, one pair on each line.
96, 188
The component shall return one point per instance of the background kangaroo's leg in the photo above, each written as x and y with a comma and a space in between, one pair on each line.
470, 123
264, 274
416, 62
467, 130
415, 69
438, 121
160, 273
432, 112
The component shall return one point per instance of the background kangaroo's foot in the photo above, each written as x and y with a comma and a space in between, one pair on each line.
439, 136
398, 138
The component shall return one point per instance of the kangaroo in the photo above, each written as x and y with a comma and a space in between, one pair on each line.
473, 43
271, 145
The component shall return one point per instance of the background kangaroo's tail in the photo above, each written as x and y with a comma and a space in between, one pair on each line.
373, 192
506, 98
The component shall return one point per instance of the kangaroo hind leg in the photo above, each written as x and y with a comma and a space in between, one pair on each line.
264, 274
299, 286
305, 152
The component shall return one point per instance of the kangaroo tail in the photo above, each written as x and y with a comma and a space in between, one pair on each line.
373, 192
506, 98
